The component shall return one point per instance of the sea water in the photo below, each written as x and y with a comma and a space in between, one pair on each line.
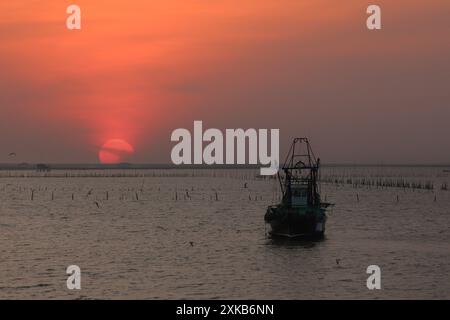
200, 234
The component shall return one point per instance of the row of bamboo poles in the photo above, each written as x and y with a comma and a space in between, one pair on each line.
355, 181
377, 183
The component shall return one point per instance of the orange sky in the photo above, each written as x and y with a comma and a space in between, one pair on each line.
139, 69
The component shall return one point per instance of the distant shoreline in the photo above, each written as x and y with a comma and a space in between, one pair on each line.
132, 166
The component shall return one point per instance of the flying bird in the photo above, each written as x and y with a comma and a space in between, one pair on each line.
12, 154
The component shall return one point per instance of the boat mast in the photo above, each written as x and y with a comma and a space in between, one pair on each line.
296, 163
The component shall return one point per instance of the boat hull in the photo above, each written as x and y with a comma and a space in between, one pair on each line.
296, 222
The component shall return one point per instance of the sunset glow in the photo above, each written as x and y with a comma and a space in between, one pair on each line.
115, 151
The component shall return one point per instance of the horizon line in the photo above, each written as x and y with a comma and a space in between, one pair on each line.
136, 166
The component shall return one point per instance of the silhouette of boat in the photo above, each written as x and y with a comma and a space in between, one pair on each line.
301, 214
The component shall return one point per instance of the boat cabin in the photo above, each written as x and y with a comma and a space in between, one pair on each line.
299, 195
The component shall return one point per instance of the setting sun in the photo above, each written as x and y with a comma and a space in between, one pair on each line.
115, 151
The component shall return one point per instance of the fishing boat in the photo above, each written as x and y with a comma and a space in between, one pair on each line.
301, 213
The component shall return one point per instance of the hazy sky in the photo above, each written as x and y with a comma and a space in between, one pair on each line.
139, 69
